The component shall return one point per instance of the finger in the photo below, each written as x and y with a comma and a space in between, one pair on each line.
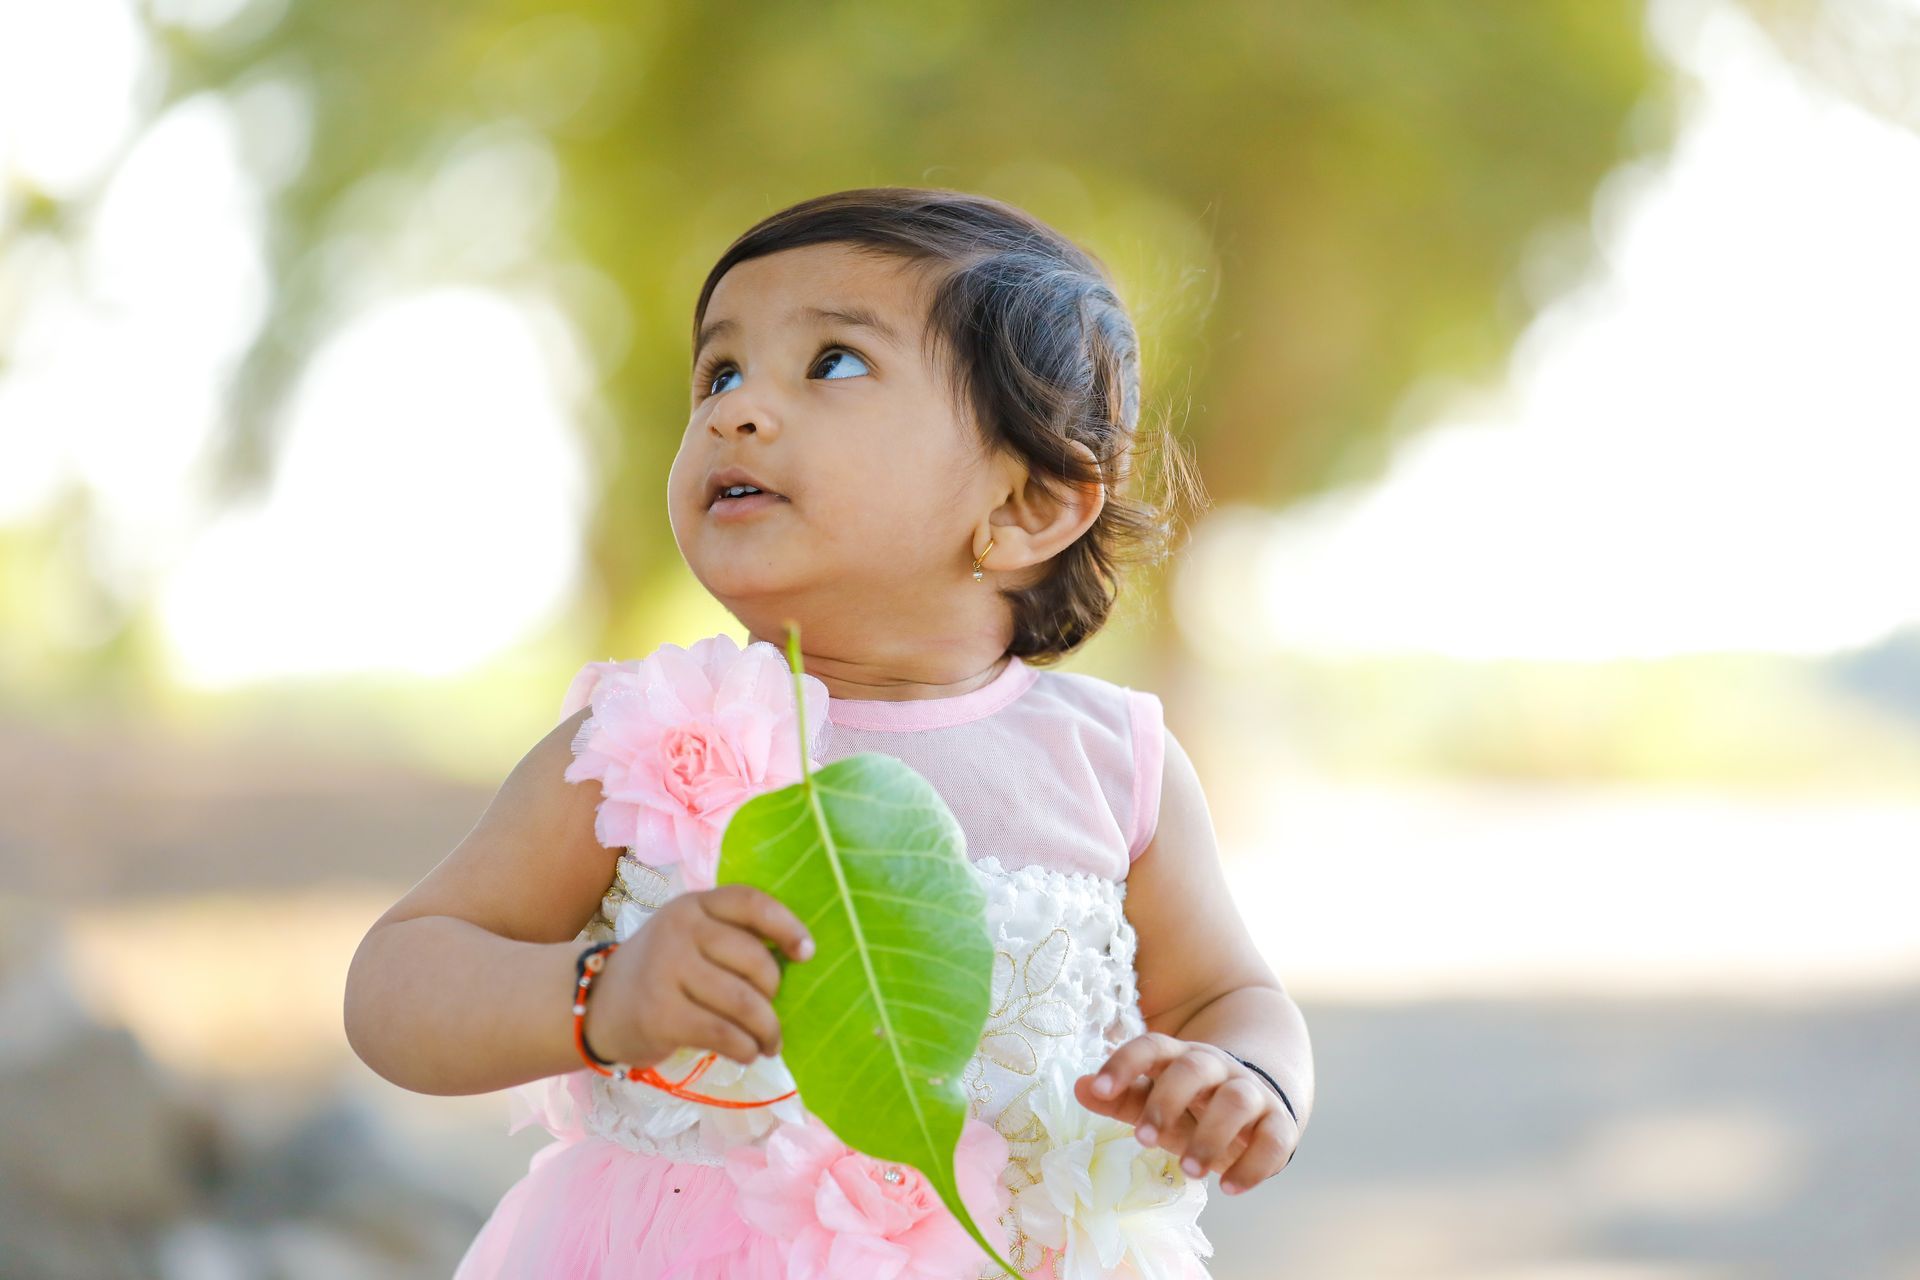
727, 994
738, 951
1234, 1104
1172, 1136
1267, 1153
1237, 1144
760, 911
1163, 1120
1141, 1055
1198, 1109
1125, 1106
708, 1030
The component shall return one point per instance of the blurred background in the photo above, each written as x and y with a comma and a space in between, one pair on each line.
1550, 648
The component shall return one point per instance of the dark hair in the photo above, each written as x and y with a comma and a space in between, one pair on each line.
1038, 346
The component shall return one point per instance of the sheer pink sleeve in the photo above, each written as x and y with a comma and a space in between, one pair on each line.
1149, 753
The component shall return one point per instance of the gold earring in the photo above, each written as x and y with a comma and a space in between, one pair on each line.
977, 559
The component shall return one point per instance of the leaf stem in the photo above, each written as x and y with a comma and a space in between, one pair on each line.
799, 701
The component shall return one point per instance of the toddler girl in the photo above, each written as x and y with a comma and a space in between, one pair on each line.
913, 416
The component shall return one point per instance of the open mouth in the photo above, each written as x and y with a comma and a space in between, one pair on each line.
742, 499
737, 492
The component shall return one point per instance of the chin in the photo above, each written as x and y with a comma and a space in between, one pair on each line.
753, 588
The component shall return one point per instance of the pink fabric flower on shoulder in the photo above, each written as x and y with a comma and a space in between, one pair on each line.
843, 1213
683, 737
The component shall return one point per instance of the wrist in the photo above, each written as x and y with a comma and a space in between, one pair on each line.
595, 1042
1271, 1084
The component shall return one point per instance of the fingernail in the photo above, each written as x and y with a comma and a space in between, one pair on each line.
1103, 1085
1192, 1167
1145, 1134
805, 949
1231, 1188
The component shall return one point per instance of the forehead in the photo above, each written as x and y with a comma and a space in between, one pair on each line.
813, 286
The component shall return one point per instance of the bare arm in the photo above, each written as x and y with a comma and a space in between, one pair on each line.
1207, 997
1201, 975
463, 985
466, 984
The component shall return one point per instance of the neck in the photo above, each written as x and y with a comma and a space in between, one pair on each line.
903, 674
867, 641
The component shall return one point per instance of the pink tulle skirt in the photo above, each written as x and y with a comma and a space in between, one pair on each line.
591, 1209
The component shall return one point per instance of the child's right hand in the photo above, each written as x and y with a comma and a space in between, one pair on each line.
697, 974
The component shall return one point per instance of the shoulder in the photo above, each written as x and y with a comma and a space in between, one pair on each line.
1146, 725
532, 867
1098, 697
1180, 840
1135, 721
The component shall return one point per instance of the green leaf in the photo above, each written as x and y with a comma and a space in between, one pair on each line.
877, 1026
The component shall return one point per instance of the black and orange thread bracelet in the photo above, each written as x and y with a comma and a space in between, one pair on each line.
586, 968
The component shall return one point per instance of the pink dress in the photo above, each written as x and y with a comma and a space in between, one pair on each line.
1055, 779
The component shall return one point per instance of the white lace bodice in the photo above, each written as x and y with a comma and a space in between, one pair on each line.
1063, 991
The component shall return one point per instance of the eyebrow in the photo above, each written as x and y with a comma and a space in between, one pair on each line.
851, 315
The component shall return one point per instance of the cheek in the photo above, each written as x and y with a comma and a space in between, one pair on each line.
888, 511
896, 477
682, 502
680, 470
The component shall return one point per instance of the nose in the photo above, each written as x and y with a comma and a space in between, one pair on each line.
738, 415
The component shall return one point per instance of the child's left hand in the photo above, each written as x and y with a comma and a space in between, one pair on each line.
1242, 1131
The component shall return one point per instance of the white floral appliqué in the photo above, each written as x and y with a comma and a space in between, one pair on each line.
1107, 1205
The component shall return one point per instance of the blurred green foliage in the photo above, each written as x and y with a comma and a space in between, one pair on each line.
1310, 206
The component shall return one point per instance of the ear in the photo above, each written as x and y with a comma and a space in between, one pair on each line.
1031, 525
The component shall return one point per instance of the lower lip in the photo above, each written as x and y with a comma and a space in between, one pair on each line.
741, 508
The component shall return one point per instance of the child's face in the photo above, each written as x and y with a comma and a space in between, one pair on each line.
883, 481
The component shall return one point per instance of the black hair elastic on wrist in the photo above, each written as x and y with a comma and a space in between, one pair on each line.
1270, 1080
